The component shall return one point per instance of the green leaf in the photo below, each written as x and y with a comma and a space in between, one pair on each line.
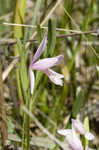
39, 34
78, 103
51, 37
86, 126
35, 14
23, 68
39, 76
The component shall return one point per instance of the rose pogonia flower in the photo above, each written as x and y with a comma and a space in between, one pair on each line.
72, 138
45, 65
79, 127
73, 135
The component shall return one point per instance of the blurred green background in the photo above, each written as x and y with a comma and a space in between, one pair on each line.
52, 105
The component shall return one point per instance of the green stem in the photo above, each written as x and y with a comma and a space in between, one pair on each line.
18, 33
26, 136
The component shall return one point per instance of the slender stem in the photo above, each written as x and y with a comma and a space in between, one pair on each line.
26, 143
18, 33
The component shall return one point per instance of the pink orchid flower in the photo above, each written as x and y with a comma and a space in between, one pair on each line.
45, 65
72, 138
73, 135
79, 127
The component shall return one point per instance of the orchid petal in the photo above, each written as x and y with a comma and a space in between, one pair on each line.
40, 49
32, 81
72, 139
89, 136
51, 72
54, 76
74, 133
65, 132
46, 63
78, 126
74, 142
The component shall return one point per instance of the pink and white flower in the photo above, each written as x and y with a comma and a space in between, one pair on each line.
72, 138
45, 65
79, 127
73, 135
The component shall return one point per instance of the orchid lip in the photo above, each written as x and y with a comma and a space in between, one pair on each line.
78, 126
54, 76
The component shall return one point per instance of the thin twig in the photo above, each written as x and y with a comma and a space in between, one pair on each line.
34, 26
57, 29
6, 41
12, 41
94, 32
43, 27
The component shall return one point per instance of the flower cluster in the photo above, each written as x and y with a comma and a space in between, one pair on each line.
73, 135
45, 65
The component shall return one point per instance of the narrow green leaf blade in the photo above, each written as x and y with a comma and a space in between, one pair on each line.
78, 103
51, 37
35, 14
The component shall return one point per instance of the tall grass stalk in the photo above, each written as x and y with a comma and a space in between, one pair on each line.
24, 83
18, 33
22, 73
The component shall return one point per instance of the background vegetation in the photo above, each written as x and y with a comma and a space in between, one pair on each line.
72, 27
